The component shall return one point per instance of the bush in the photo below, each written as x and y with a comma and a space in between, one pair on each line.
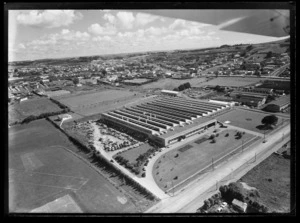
227, 134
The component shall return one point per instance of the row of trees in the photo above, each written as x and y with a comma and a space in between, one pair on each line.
235, 191
62, 106
124, 162
107, 166
44, 115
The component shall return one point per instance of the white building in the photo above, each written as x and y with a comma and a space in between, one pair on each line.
170, 93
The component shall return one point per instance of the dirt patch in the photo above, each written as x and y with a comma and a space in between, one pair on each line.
247, 187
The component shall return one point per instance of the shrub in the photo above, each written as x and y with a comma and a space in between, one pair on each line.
227, 134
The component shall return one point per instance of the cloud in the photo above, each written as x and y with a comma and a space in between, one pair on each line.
126, 18
21, 46
177, 24
97, 29
48, 18
110, 18
155, 31
143, 19
65, 31
65, 37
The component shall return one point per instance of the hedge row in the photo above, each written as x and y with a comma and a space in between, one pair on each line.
43, 115
62, 106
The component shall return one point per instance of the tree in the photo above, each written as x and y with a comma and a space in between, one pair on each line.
269, 120
187, 85
206, 205
76, 80
250, 47
243, 53
269, 54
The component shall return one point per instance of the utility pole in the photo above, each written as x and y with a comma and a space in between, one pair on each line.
242, 145
216, 185
212, 163
173, 188
255, 158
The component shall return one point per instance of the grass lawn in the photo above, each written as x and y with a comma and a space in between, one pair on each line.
40, 171
245, 119
194, 159
35, 106
272, 179
134, 153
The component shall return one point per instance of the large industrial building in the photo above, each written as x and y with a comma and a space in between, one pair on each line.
167, 120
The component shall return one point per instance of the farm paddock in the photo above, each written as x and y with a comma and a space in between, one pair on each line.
35, 106
41, 171
272, 179
94, 98
89, 104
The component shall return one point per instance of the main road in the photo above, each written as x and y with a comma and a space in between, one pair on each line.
192, 197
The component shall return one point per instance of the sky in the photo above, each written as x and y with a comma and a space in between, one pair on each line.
41, 34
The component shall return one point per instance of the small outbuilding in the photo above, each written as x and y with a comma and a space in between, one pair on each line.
239, 205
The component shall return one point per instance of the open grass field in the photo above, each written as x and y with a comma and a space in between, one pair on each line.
41, 171
170, 84
97, 102
272, 180
179, 164
94, 98
35, 106
227, 81
246, 119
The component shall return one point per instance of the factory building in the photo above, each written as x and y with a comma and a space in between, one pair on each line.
249, 98
167, 120
279, 104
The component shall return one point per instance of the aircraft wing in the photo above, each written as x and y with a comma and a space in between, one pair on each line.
275, 23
